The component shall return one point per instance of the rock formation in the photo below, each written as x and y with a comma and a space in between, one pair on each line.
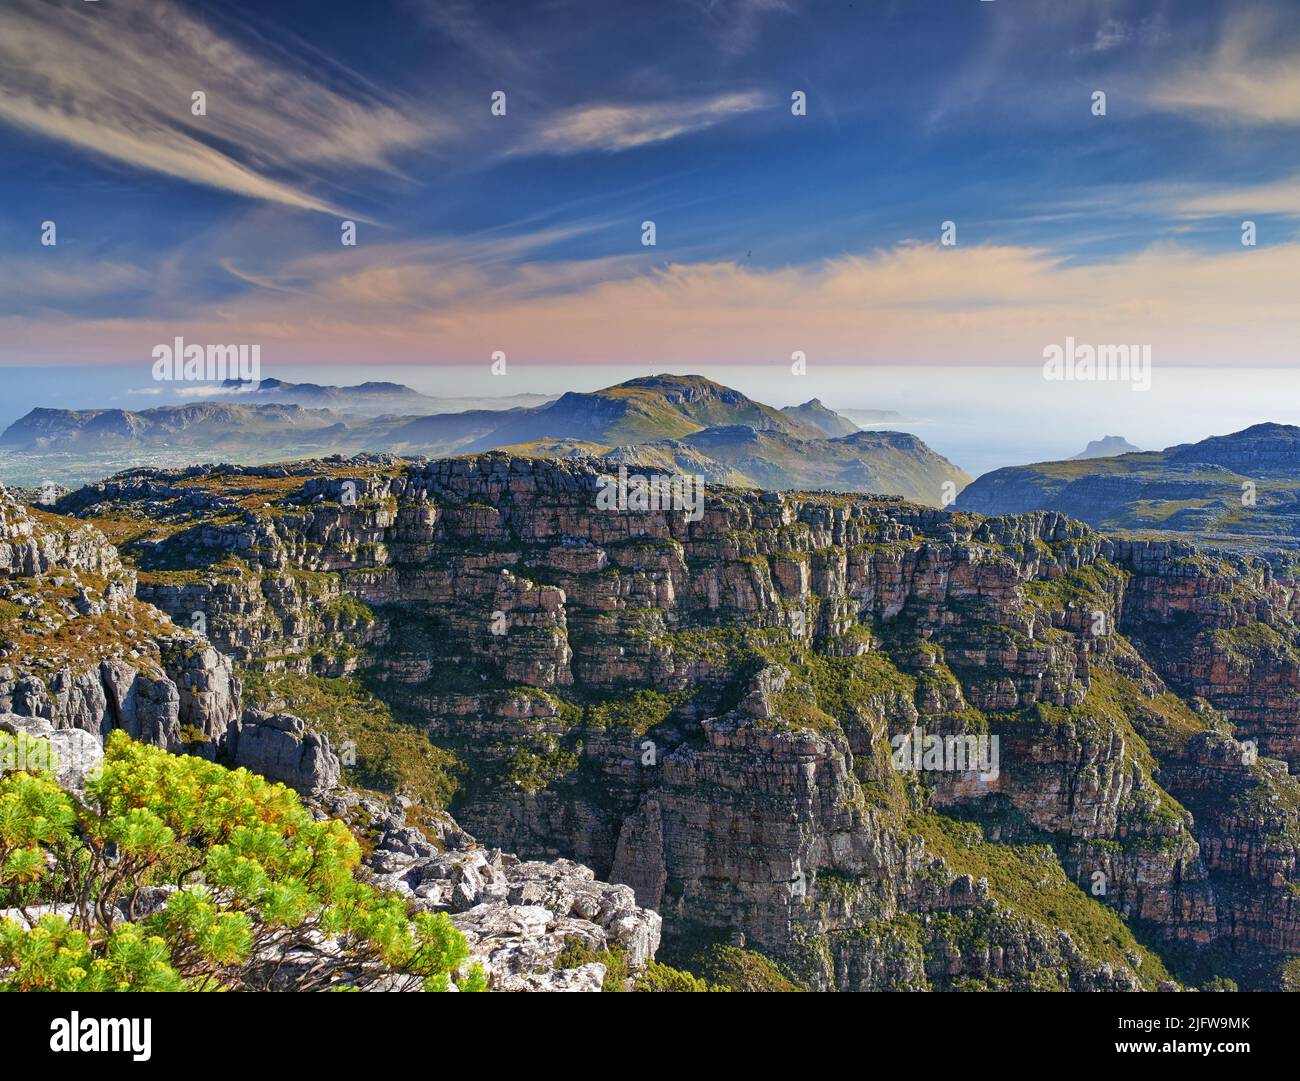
710, 712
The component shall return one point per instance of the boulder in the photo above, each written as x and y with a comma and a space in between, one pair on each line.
280, 747
72, 755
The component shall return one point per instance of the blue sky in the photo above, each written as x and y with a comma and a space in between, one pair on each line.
775, 232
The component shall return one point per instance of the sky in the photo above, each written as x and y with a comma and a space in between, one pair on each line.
775, 232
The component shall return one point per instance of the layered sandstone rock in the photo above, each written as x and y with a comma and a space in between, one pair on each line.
706, 710
78, 650
279, 746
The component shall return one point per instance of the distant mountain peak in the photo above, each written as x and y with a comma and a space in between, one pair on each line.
1108, 446
677, 423
815, 416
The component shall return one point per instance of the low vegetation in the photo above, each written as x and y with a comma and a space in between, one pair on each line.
379, 751
175, 873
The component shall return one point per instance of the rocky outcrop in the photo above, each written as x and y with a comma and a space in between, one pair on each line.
71, 756
524, 921
279, 746
519, 917
79, 650
27, 549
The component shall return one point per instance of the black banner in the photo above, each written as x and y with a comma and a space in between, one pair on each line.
335, 1030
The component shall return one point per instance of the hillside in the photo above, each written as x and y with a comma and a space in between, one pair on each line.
200, 424
1240, 488
889, 463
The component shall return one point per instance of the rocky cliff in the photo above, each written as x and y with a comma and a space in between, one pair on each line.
78, 648
722, 713
82, 657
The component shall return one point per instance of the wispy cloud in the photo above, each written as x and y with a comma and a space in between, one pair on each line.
117, 81
43, 281
738, 23
1110, 34
1281, 197
622, 127
1248, 77
466, 23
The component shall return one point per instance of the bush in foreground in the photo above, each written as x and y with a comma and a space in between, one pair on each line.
175, 873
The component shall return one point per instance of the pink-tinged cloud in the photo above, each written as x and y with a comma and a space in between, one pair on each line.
911, 304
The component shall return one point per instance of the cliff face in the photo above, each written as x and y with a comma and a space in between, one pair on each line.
711, 711
81, 656
79, 650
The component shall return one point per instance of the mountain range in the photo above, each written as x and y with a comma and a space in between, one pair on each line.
371, 398
670, 421
686, 733
1243, 488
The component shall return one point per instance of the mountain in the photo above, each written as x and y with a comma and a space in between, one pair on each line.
812, 414
638, 411
1238, 488
1106, 447
689, 422
198, 423
372, 398
645, 409
730, 438
853, 743
116, 664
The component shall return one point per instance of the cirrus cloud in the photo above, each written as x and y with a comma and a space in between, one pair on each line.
117, 82
623, 127
1249, 77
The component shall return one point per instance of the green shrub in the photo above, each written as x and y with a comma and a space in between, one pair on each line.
390, 754
259, 877
577, 953
657, 977
730, 968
